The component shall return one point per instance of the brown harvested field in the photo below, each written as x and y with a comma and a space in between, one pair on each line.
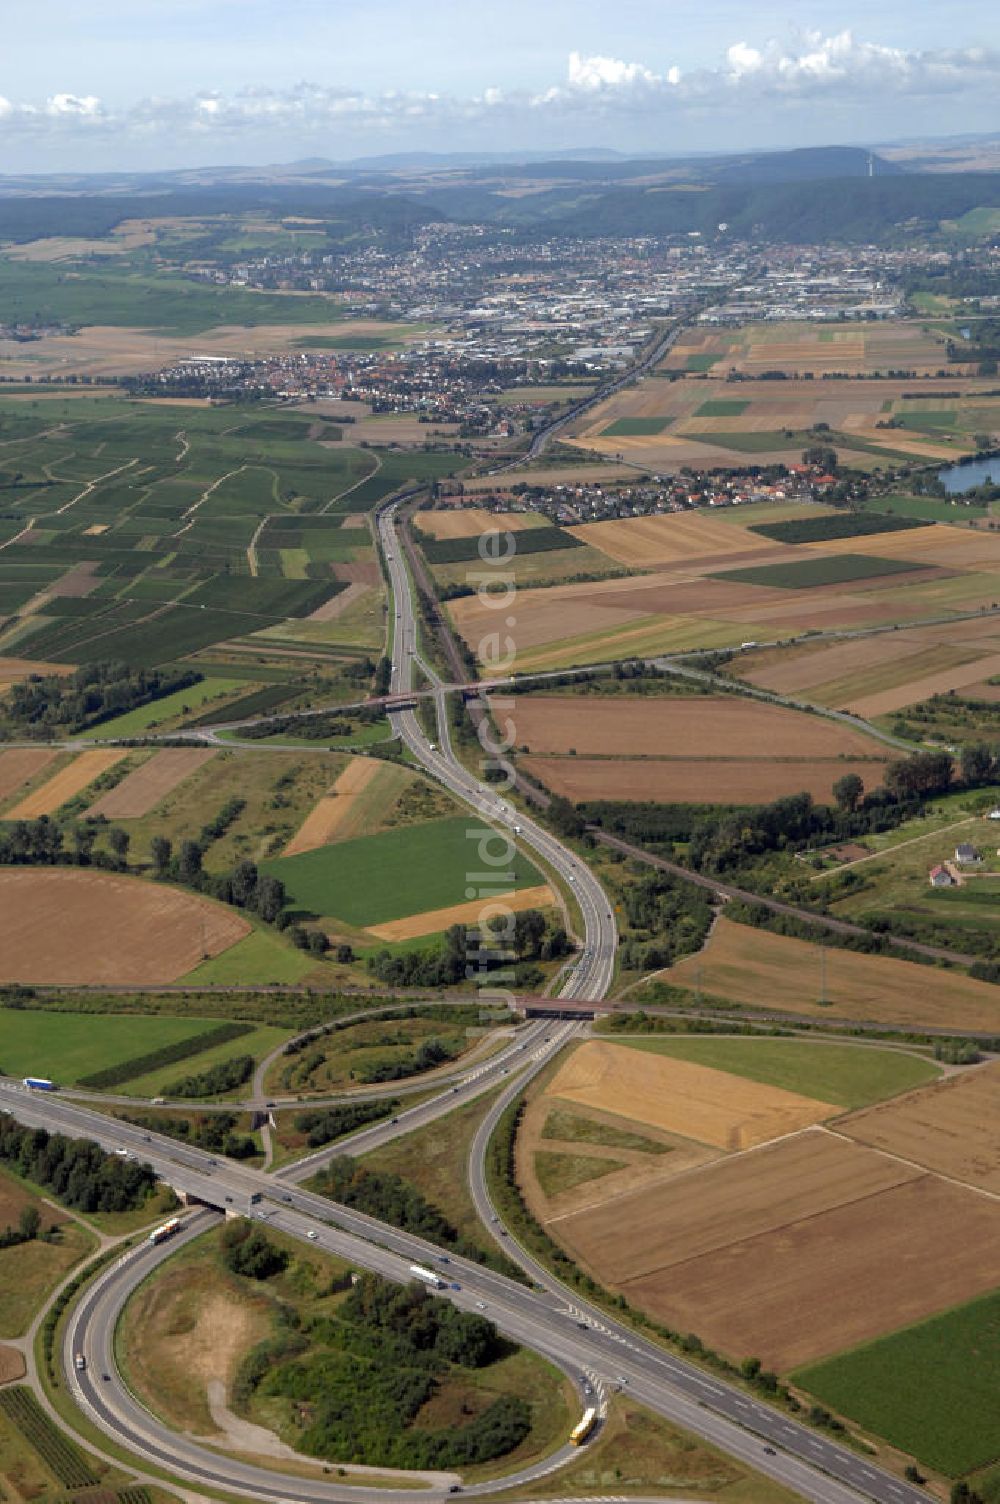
433, 921
143, 789
326, 819
697, 780
713, 1107
670, 538
777, 972
20, 764
398, 428
740, 1196
831, 1279
338, 604
948, 655
649, 725
467, 523
66, 925
75, 583
68, 782
11, 1364
952, 1127
941, 681
365, 572
13, 670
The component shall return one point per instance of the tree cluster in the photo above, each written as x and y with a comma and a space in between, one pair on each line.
216, 1132
76, 1171
97, 692
370, 1369
225, 1076
248, 1251
466, 953
42, 843
324, 1126
246, 887
390, 1198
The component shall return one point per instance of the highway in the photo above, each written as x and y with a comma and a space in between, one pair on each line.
577, 1337
651, 356
586, 1343
590, 978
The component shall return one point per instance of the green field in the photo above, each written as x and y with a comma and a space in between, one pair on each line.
166, 709
927, 507
406, 871
807, 574
930, 1390
69, 1046
258, 960
634, 428
174, 305
259, 1042
833, 525
722, 407
844, 1074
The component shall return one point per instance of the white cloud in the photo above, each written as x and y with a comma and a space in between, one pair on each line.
606, 73
73, 104
836, 69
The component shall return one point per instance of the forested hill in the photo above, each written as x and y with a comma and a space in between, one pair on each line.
848, 209
809, 196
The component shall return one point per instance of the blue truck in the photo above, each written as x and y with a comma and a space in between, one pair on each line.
39, 1083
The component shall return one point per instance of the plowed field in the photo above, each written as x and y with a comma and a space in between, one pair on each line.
466, 524
793, 1251
65, 925
777, 972
330, 814
13, 670
435, 920
696, 780
674, 726
19, 764
669, 539
68, 782
953, 1127
142, 790
677, 1096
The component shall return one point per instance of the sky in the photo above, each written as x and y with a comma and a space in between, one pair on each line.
111, 85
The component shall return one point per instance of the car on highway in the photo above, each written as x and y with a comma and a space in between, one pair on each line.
312, 1234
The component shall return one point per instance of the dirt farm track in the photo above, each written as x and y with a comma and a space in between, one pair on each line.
64, 925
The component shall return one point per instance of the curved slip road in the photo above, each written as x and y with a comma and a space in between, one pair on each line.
575, 1336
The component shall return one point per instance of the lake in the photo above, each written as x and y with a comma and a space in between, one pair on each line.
958, 478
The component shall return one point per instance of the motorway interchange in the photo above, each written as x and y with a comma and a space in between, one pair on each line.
593, 1349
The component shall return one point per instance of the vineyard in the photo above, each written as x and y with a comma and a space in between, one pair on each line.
60, 1456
